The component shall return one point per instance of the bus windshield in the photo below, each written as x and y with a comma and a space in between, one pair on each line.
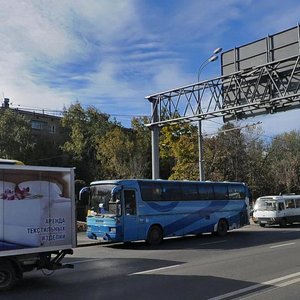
265, 204
103, 201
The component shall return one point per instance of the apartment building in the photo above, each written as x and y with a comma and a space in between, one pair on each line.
41, 122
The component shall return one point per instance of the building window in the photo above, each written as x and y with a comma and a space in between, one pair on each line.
52, 129
37, 125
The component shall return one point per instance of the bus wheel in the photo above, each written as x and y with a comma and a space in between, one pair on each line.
7, 276
222, 228
155, 236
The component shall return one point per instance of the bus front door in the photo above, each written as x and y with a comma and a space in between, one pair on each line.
130, 228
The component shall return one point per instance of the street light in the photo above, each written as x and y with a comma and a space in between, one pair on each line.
206, 62
217, 50
212, 58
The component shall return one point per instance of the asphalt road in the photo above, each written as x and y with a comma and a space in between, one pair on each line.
249, 263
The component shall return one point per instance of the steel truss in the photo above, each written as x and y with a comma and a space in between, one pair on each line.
264, 89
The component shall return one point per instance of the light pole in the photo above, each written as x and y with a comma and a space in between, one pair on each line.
212, 58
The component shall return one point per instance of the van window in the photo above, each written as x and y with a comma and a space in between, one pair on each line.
297, 202
265, 204
289, 203
280, 206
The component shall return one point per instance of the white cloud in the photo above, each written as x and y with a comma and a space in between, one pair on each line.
40, 36
112, 54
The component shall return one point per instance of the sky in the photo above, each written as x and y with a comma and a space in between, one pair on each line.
111, 54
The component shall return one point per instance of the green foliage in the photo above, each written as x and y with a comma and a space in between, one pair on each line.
82, 131
142, 144
178, 149
101, 149
126, 153
228, 155
16, 141
284, 162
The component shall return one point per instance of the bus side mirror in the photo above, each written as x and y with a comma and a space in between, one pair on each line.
119, 209
84, 195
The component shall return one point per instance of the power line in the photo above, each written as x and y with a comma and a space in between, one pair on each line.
235, 128
44, 111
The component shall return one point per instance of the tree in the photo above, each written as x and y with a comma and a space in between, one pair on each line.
115, 149
47, 151
284, 162
142, 144
126, 153
227, 155
179, 152
257, 173
15, 136
82, 131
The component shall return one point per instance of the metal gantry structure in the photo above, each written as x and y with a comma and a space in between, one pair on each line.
257, 90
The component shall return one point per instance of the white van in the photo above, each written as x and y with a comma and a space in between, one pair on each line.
280, 210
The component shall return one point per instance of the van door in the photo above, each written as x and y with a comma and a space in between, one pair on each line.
281, 209
290, 210
130, 228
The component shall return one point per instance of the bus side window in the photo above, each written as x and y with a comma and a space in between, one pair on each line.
130, 203
221, 191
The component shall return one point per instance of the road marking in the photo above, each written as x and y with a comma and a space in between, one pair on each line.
277, 282
288, 282
174, 266
154, 270
281, 278
282, 245
211, 243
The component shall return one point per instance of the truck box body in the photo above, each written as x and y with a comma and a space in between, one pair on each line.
37, 210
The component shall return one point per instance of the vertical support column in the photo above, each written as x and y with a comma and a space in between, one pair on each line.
155, 151
200, 145
155, 142
298, 26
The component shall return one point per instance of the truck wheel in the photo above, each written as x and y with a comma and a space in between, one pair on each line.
7, 276
222, 228
155, 236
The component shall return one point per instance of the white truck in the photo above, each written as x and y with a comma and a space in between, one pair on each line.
37, 219
282, 210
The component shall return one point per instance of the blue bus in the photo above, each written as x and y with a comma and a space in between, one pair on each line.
150, 210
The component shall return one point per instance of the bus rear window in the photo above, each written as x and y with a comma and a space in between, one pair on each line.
236, 191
